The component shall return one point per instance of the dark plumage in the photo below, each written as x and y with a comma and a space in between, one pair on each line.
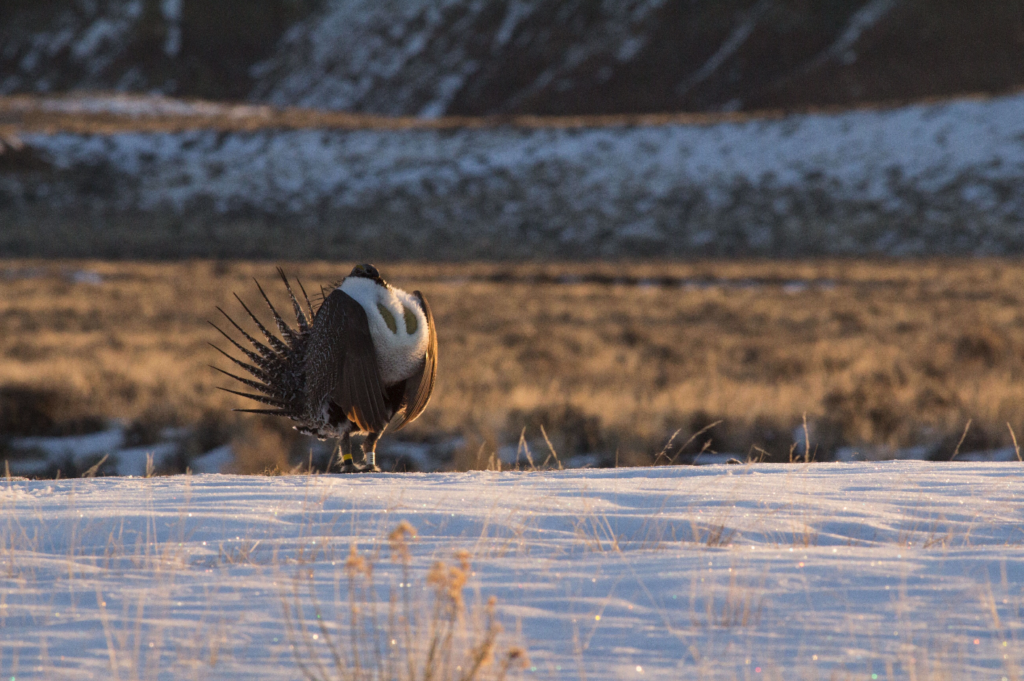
341, 371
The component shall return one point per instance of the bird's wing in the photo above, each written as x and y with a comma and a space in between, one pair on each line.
420, 385
341, 363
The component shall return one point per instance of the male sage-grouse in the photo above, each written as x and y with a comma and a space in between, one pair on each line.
367, 360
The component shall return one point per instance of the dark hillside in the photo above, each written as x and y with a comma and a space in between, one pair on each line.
506, 57
193, 48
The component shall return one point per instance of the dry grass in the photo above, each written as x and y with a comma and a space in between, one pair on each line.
891, 353
423, 638
88, 116
31, 114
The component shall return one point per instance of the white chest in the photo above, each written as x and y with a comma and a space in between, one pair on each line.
397, 325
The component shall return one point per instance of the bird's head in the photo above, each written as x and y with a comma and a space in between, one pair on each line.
367, 271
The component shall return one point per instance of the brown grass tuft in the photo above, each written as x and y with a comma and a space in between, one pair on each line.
432, 635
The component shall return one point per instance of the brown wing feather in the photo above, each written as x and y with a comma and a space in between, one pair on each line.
341, 364
420, 385
360, 392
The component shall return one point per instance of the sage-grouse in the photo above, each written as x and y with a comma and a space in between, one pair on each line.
366, 360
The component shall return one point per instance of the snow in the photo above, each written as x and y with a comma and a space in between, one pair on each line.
929, 178
395, 58
80, 445
35, 456
728, 48
864, 19
900, 569
130, 105
95, 35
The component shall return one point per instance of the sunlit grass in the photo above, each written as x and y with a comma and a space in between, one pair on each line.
888, 354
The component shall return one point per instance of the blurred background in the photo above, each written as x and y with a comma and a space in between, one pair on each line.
652, 232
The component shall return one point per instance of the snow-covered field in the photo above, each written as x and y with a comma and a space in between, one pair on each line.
896, 570
925, 179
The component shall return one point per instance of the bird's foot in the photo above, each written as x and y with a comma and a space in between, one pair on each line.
361, 467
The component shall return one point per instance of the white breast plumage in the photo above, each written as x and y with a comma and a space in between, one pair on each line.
397, 325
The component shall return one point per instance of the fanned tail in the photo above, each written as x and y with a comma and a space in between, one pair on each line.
286, 331
276, 366
309, 305
300, 317
274, 341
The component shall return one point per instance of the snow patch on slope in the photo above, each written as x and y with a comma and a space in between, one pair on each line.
931, 178
391, 57
91, 34
866, 18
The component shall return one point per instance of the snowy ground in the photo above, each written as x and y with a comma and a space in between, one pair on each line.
925, 179
855, 570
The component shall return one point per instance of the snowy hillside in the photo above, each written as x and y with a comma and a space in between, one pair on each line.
407, 57
885, 570
477, 57
944, 178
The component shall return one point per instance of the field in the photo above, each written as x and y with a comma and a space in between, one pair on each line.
610, 358
730, 316
890, 570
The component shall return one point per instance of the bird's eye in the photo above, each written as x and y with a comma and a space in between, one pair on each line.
389, 318
410, 321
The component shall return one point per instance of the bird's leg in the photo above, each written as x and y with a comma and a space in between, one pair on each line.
345, 445
369, 464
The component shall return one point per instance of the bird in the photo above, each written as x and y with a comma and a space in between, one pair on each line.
363, 361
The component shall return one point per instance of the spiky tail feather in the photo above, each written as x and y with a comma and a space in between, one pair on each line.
277, 365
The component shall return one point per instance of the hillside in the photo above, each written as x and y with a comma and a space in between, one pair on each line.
149, 177
485, 57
